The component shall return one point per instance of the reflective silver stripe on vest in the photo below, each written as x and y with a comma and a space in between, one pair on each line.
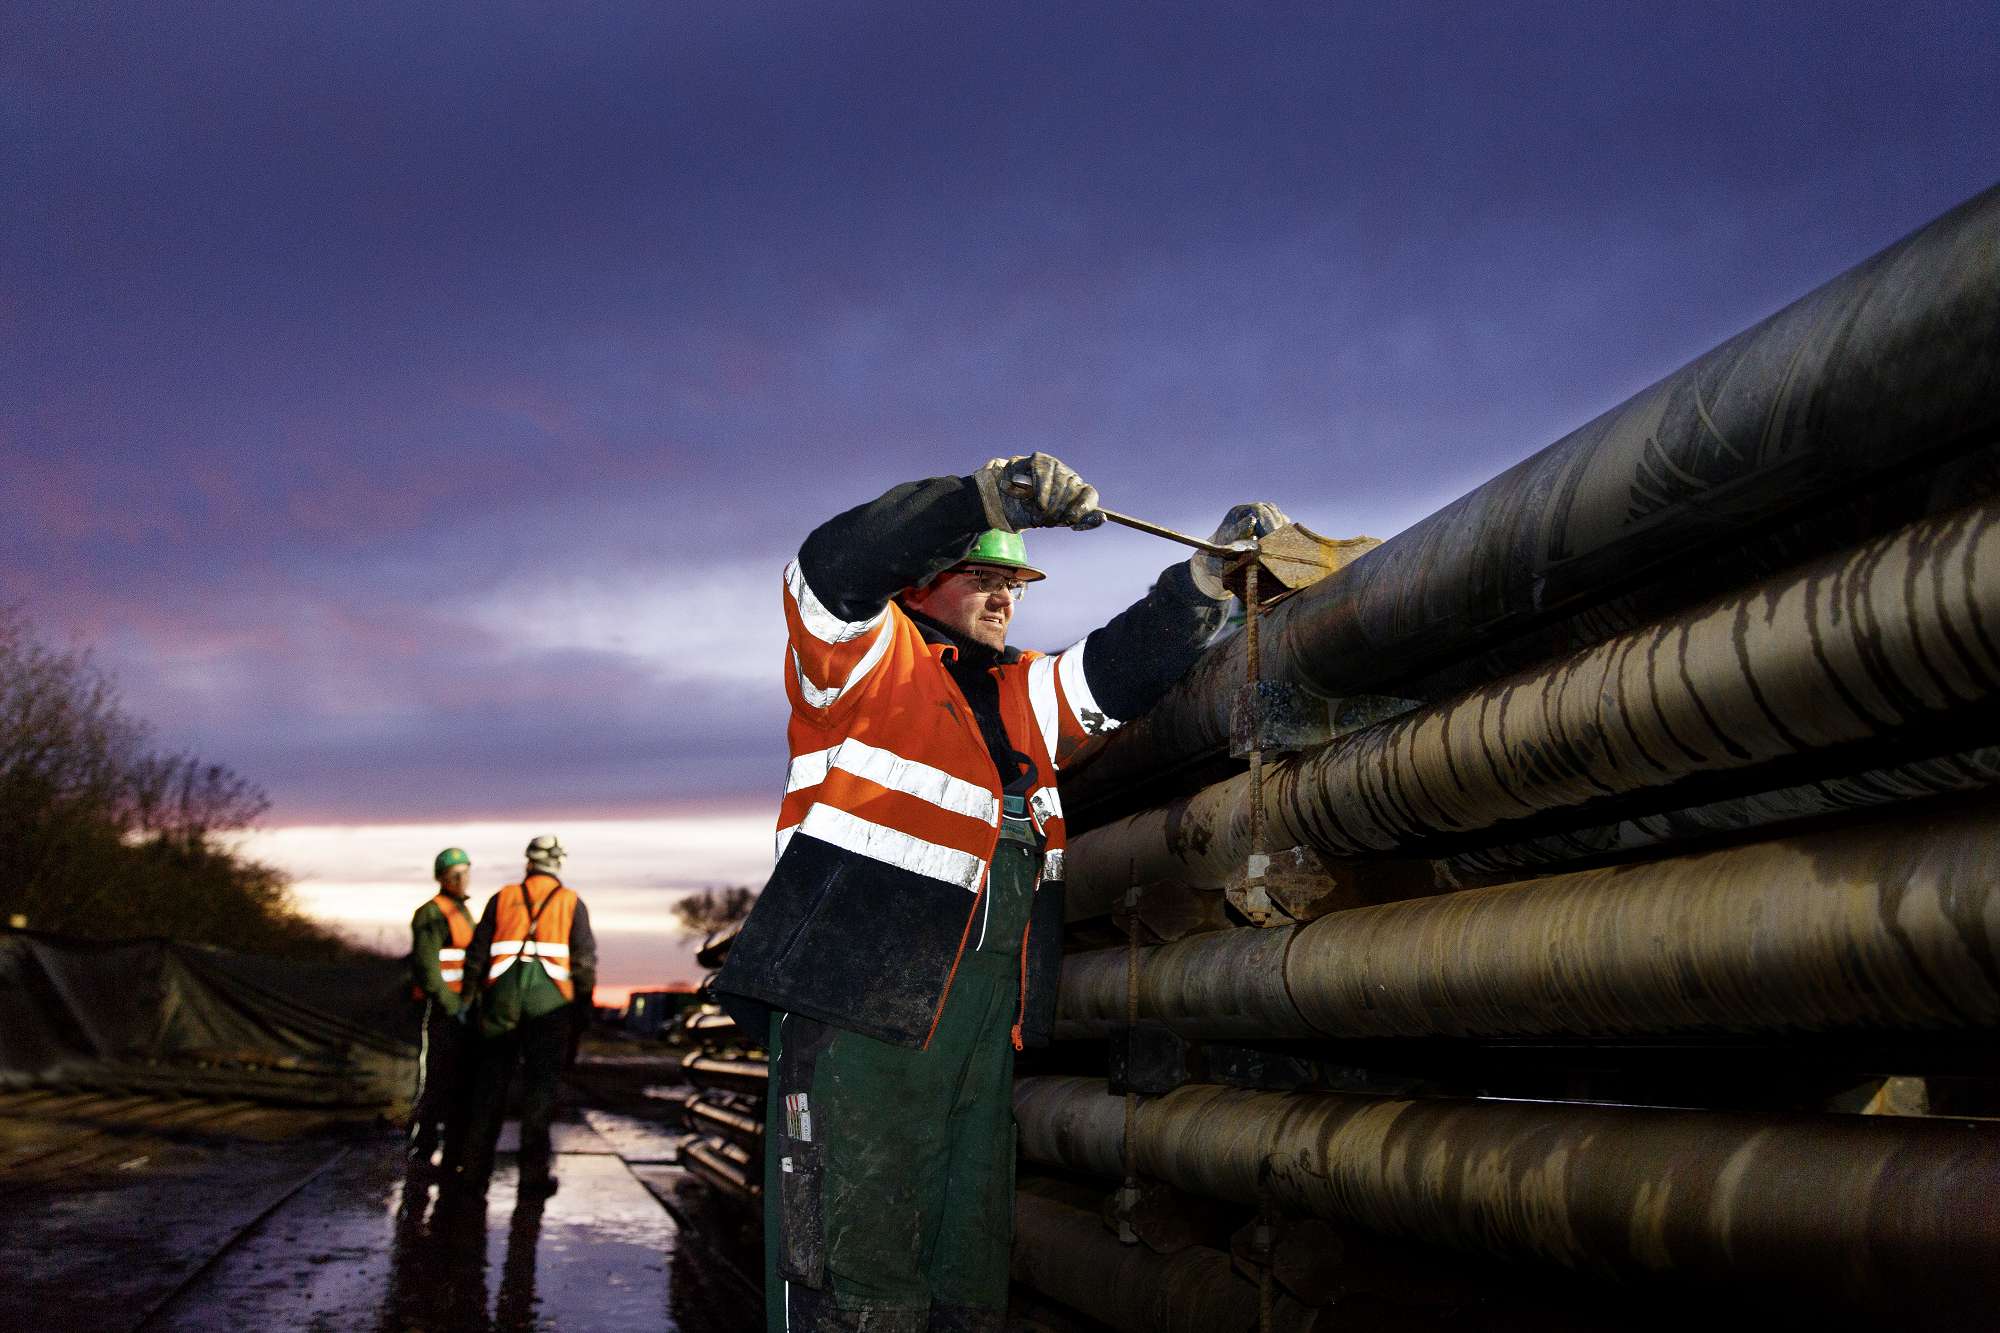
1043, 698
821, 623
508, 952
1059, 680
539, 949
826, 698
886, 768
1076, 690
879, 842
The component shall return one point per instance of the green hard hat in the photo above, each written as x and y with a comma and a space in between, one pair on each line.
446, 859
1007, 549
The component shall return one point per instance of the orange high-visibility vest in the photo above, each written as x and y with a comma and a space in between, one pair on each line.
451, 958
531, 924
888, 763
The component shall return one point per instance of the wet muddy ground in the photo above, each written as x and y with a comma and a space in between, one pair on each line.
320, 1230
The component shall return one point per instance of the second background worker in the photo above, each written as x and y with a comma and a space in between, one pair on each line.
532, 967
440, 932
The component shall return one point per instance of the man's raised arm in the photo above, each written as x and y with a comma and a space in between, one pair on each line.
856, 561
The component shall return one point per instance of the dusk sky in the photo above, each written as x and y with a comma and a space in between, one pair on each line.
415, 403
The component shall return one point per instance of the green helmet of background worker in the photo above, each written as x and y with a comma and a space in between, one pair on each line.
447, 859
1008, 550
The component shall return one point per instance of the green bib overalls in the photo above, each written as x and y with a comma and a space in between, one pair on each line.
888, 1171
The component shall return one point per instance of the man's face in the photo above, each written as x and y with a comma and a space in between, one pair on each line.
973, 601
456, 880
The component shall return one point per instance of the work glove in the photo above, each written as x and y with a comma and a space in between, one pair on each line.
1036, 491
1241, 522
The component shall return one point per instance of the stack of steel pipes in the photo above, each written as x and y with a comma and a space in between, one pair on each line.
724, 1112
728, 1072
1668, 752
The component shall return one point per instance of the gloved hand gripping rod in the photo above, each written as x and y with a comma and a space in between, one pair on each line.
1025, 486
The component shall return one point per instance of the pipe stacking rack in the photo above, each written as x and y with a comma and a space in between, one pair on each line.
1641, 946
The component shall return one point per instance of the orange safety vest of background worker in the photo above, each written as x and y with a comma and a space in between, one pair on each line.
532, 921
450, 957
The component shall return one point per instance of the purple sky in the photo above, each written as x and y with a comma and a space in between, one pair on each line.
416, 403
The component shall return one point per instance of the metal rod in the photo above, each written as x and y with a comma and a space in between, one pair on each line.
1023, 484
1255, 668
1233, 550
1886, 928
1876, 377
1886, 1213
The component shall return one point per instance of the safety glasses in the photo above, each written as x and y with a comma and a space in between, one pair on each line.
989, 582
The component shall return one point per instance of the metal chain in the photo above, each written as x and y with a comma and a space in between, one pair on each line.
1265, 1233
1131, 1024
1266, 1238
1256, 670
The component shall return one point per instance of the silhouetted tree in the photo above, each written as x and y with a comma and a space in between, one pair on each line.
105, 836
706, 911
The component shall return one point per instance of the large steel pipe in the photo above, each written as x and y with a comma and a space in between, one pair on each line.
1885, 1212
1066, 1253
719, 1073
1886, 927
1865, 644
1891, 365
726, 1166
720, 1121
1974, 770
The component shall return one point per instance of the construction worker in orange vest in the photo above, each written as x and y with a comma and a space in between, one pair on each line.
439, 934
532, 966
909, 938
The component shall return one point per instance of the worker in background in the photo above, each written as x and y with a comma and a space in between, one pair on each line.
439, 934
532, 966
908, 941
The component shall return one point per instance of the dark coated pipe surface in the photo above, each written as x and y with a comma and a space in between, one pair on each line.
709, 1118
1974, 770
1066, 1253
1889, 1213
1888, 927
707, 1159
1864, 645
1891, 365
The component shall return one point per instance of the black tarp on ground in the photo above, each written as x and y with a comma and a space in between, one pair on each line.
154, 1015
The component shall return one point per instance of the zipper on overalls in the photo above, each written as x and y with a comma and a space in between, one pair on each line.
1028, 926
965, 721
1021, 1005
